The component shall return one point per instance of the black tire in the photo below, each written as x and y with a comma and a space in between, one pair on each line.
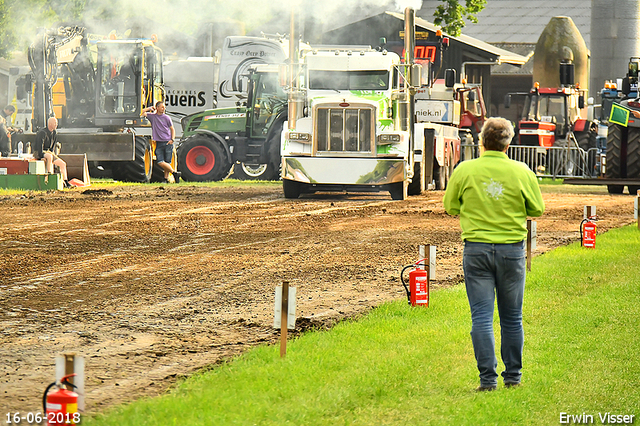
291, 188
244, 171
615, 189
202, 158
141, 168
440, 175
615, 139
415, 187
633, 190
586, 140
270, 170
633, 153
398, 191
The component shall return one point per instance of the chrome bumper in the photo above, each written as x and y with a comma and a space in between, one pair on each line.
344, 171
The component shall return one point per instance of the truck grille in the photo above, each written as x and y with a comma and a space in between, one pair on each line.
345, 129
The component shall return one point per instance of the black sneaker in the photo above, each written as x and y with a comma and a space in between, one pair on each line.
485, 388
511, 385
176, 176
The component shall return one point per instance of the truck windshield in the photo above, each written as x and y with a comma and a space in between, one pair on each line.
552, 107
349, 80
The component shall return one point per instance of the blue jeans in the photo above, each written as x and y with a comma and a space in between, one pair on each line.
164, 152
490, 270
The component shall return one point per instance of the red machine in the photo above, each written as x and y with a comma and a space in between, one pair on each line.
61, 407
418, 290
588, 232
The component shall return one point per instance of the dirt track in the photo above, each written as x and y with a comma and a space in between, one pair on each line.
151, 283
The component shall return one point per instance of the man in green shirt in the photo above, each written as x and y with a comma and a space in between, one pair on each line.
493, 196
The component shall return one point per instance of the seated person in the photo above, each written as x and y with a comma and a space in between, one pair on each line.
45, 149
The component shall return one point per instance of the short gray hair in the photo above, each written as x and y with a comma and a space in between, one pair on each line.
496, 134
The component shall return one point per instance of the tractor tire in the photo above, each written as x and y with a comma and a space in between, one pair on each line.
586, 140
202, 158
141, 168
270, 170
615, 137
242, 171
633, 153
291, 188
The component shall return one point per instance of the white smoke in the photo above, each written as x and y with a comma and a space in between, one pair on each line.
186, 16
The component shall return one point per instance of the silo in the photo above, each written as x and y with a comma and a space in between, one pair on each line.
615, 37
560, 40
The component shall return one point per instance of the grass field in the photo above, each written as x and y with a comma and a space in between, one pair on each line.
415, 366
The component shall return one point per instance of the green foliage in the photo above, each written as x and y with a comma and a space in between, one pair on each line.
451, 14
415, 366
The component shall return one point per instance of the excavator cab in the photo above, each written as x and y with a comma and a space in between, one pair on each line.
129, 78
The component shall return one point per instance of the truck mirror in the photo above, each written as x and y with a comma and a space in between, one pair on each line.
581, 102
449, 77
507, 101
416, 75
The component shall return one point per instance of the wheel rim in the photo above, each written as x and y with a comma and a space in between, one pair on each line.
254, 171
200, 160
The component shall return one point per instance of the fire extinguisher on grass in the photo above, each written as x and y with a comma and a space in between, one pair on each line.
61, 407
588, 232
418, 289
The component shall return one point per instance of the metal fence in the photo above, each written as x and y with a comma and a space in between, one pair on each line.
555, 162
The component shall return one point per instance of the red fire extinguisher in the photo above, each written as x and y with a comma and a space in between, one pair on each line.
588, 232
61, 407
418, 290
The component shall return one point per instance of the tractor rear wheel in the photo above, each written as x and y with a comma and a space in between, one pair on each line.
633, 153
615, 137
202, 158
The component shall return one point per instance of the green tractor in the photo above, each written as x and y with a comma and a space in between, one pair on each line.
247, 136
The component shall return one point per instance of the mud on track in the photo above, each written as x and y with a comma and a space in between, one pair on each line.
150, 283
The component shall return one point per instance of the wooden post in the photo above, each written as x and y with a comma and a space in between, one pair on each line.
284, 316
69, 362
636, 205
531, 241
589, 212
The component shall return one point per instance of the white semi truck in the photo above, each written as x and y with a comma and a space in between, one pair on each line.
352, 122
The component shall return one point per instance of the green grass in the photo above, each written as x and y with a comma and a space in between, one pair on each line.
98, 183
415, 366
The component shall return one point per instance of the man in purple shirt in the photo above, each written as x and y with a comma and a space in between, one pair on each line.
163, 133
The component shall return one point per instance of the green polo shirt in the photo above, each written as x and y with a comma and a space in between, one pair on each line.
493, 196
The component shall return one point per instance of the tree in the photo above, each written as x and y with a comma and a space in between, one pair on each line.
451, 14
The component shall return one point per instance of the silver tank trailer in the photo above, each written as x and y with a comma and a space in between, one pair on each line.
560, 40
615, 37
